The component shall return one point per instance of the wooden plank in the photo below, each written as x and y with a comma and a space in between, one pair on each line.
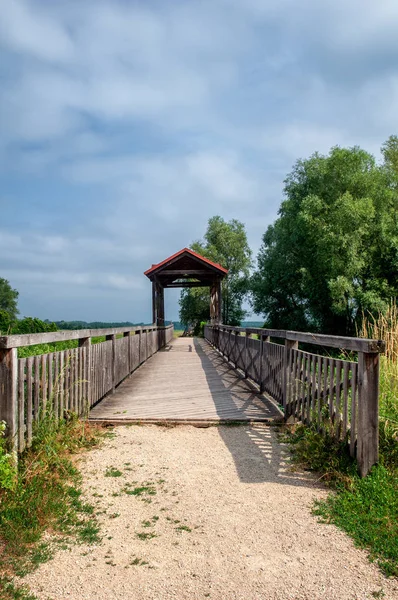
331, 388
56, 386
368, 412
37, 388
319, 393
9, 393
62, 385
354, 410
346, 368
50, 382
44, 383
337, 407
21, 404
29, 401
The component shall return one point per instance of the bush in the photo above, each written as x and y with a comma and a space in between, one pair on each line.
7, 468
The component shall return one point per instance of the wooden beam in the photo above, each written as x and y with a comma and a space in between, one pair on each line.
333, 341
30, 339
368, 412
187, 284
186, 272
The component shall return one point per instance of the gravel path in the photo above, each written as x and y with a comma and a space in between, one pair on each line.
206, 513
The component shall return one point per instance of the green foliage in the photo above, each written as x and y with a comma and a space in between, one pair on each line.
333, 251
7, 467
226, 244
33, 325
74, 325
8, 300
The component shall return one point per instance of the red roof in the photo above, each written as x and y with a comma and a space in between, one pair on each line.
192, 253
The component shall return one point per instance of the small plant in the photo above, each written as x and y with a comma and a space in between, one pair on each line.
138, 562
146, 535
184, 528
144, 490
112, 472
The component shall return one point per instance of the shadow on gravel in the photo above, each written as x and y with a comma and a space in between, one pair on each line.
258, 455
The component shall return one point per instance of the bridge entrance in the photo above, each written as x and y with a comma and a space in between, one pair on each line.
186, 269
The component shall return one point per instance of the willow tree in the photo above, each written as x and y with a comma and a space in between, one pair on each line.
333, 251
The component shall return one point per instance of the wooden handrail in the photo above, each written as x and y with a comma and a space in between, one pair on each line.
297, 379
31, 339
317, 339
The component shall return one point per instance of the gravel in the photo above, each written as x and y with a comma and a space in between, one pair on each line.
212, 513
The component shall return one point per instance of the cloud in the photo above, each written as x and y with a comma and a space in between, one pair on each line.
126, 125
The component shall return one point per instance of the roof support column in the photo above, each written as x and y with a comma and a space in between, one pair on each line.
215, 302
157, 303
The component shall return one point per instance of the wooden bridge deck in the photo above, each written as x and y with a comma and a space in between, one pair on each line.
186, 381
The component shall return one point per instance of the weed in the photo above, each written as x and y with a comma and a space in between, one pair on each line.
138, 562
184, 528
147, 523
112, 472
146, 535
144, 490
10, 592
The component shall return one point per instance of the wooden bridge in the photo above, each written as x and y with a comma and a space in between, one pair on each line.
142, 374
187, 381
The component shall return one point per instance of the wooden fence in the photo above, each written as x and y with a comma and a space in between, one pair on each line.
68, 380
338, 396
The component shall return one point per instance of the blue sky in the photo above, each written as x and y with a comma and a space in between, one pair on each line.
125, 125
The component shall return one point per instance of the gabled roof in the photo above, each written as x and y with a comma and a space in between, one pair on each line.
177, 255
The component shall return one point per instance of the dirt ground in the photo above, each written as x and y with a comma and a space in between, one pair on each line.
206, 513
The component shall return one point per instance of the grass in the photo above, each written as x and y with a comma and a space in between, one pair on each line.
112, 472
144, 490
45, 496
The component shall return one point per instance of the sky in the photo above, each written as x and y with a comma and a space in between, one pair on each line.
126, 124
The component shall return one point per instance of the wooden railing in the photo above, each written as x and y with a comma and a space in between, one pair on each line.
69, 380
338, 396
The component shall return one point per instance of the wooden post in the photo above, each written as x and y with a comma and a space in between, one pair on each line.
8, 394
247, 335
368, 411
112, 338
87, 369
215, 302
260, 375
289, 345
129, 350
154, 303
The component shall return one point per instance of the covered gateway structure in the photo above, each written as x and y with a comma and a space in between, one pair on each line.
186, 269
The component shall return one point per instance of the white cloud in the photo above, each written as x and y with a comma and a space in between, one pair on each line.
149, 118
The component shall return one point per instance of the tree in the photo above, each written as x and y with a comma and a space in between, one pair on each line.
8, 299
333, 251
226, 244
